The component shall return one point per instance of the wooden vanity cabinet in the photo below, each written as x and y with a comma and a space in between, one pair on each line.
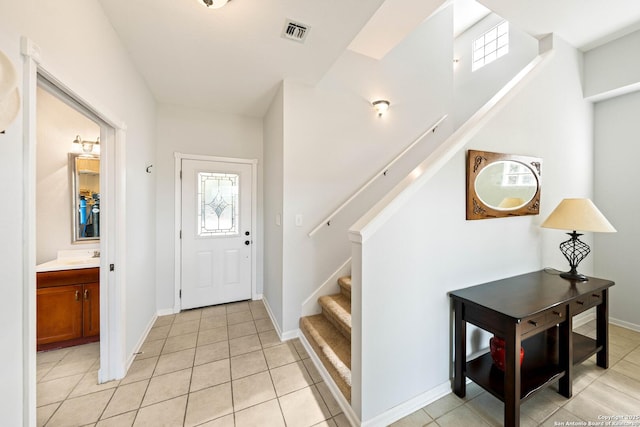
68, 307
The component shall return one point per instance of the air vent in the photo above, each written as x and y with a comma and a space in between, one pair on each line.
295, 31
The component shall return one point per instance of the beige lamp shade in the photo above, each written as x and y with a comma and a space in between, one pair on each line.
578, 215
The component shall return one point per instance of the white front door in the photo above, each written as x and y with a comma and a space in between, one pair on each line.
216, 232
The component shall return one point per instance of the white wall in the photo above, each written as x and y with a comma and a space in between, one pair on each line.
334, 142
612, 73
71, 33
193, 131
428, 248
616, 153
613, 68
273, 190
57, 126
473, 88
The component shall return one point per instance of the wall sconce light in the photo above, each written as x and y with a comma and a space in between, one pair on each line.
213, 4
381, 106
86, 146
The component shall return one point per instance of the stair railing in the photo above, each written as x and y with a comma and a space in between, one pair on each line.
382, 172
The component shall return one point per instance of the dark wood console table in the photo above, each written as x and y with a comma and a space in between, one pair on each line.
535, 311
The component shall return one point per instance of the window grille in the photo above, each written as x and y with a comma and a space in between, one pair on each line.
490, 46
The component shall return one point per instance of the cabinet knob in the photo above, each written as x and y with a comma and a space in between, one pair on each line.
77, 295
557, 313
86, 294
580, 302
533, 322
595, 295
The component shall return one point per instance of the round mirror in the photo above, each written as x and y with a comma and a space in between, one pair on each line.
506, 185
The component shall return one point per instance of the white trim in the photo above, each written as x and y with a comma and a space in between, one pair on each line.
165, 312
410, 406
625, 324
284, 336
178, 157
30, 76
310, 306
138, 346
112, 323
331, 385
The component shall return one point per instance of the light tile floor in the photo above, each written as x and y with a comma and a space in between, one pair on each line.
216, 367
597, 393
225, 366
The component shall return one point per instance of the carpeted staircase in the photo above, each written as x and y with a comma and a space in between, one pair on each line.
329, 333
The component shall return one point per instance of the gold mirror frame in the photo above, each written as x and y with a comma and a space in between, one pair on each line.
477, 161
84, 171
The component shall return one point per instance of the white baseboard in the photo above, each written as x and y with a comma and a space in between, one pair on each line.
166, 312
409, 407
333, 388
284, 336
138, 346
625, 324
583, 318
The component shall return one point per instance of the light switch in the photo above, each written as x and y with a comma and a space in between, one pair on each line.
278, 219
299, 220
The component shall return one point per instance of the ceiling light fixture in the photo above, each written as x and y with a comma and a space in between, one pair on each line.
381, 106
213, 4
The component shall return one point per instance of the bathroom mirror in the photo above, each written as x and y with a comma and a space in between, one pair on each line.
85, 197
501, 185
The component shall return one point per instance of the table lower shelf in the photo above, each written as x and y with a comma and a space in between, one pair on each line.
540, 366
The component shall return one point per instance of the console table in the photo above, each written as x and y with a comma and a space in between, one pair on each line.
535, 311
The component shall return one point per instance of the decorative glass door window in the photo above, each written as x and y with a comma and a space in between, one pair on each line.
218, 204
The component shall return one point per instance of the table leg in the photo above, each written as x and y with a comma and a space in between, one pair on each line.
460, 352
602, 330
512, 387
565, 338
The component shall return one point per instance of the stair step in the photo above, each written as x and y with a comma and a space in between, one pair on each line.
337, 308
333, 349
345, 286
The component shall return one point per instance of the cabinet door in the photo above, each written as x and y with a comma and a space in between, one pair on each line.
59, 313
91, 315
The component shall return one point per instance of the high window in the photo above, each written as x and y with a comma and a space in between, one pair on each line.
490, 46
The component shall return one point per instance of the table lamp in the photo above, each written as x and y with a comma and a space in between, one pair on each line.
577, 214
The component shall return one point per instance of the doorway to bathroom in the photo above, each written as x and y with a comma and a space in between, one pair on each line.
68, 216
104, 207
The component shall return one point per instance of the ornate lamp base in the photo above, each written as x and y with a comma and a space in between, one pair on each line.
574, 250
574, 276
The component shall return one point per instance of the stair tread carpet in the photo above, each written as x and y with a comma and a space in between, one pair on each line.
338, 309
332, 347
345, 286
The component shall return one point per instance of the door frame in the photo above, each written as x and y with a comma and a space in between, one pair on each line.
112, 319
178, 157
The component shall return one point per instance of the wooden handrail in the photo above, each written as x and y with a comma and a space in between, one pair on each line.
383, 172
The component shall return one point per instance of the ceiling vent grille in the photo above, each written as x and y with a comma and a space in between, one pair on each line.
295, 31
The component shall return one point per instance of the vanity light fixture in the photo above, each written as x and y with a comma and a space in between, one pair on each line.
86, 146
577, 214
213, 4
381, 106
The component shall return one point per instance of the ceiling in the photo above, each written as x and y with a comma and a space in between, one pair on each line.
233, 59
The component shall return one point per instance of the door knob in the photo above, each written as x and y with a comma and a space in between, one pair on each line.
246, 242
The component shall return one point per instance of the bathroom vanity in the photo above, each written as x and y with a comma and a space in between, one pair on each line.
67, 305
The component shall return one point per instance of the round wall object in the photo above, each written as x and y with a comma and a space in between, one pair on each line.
9, 108
8, 76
